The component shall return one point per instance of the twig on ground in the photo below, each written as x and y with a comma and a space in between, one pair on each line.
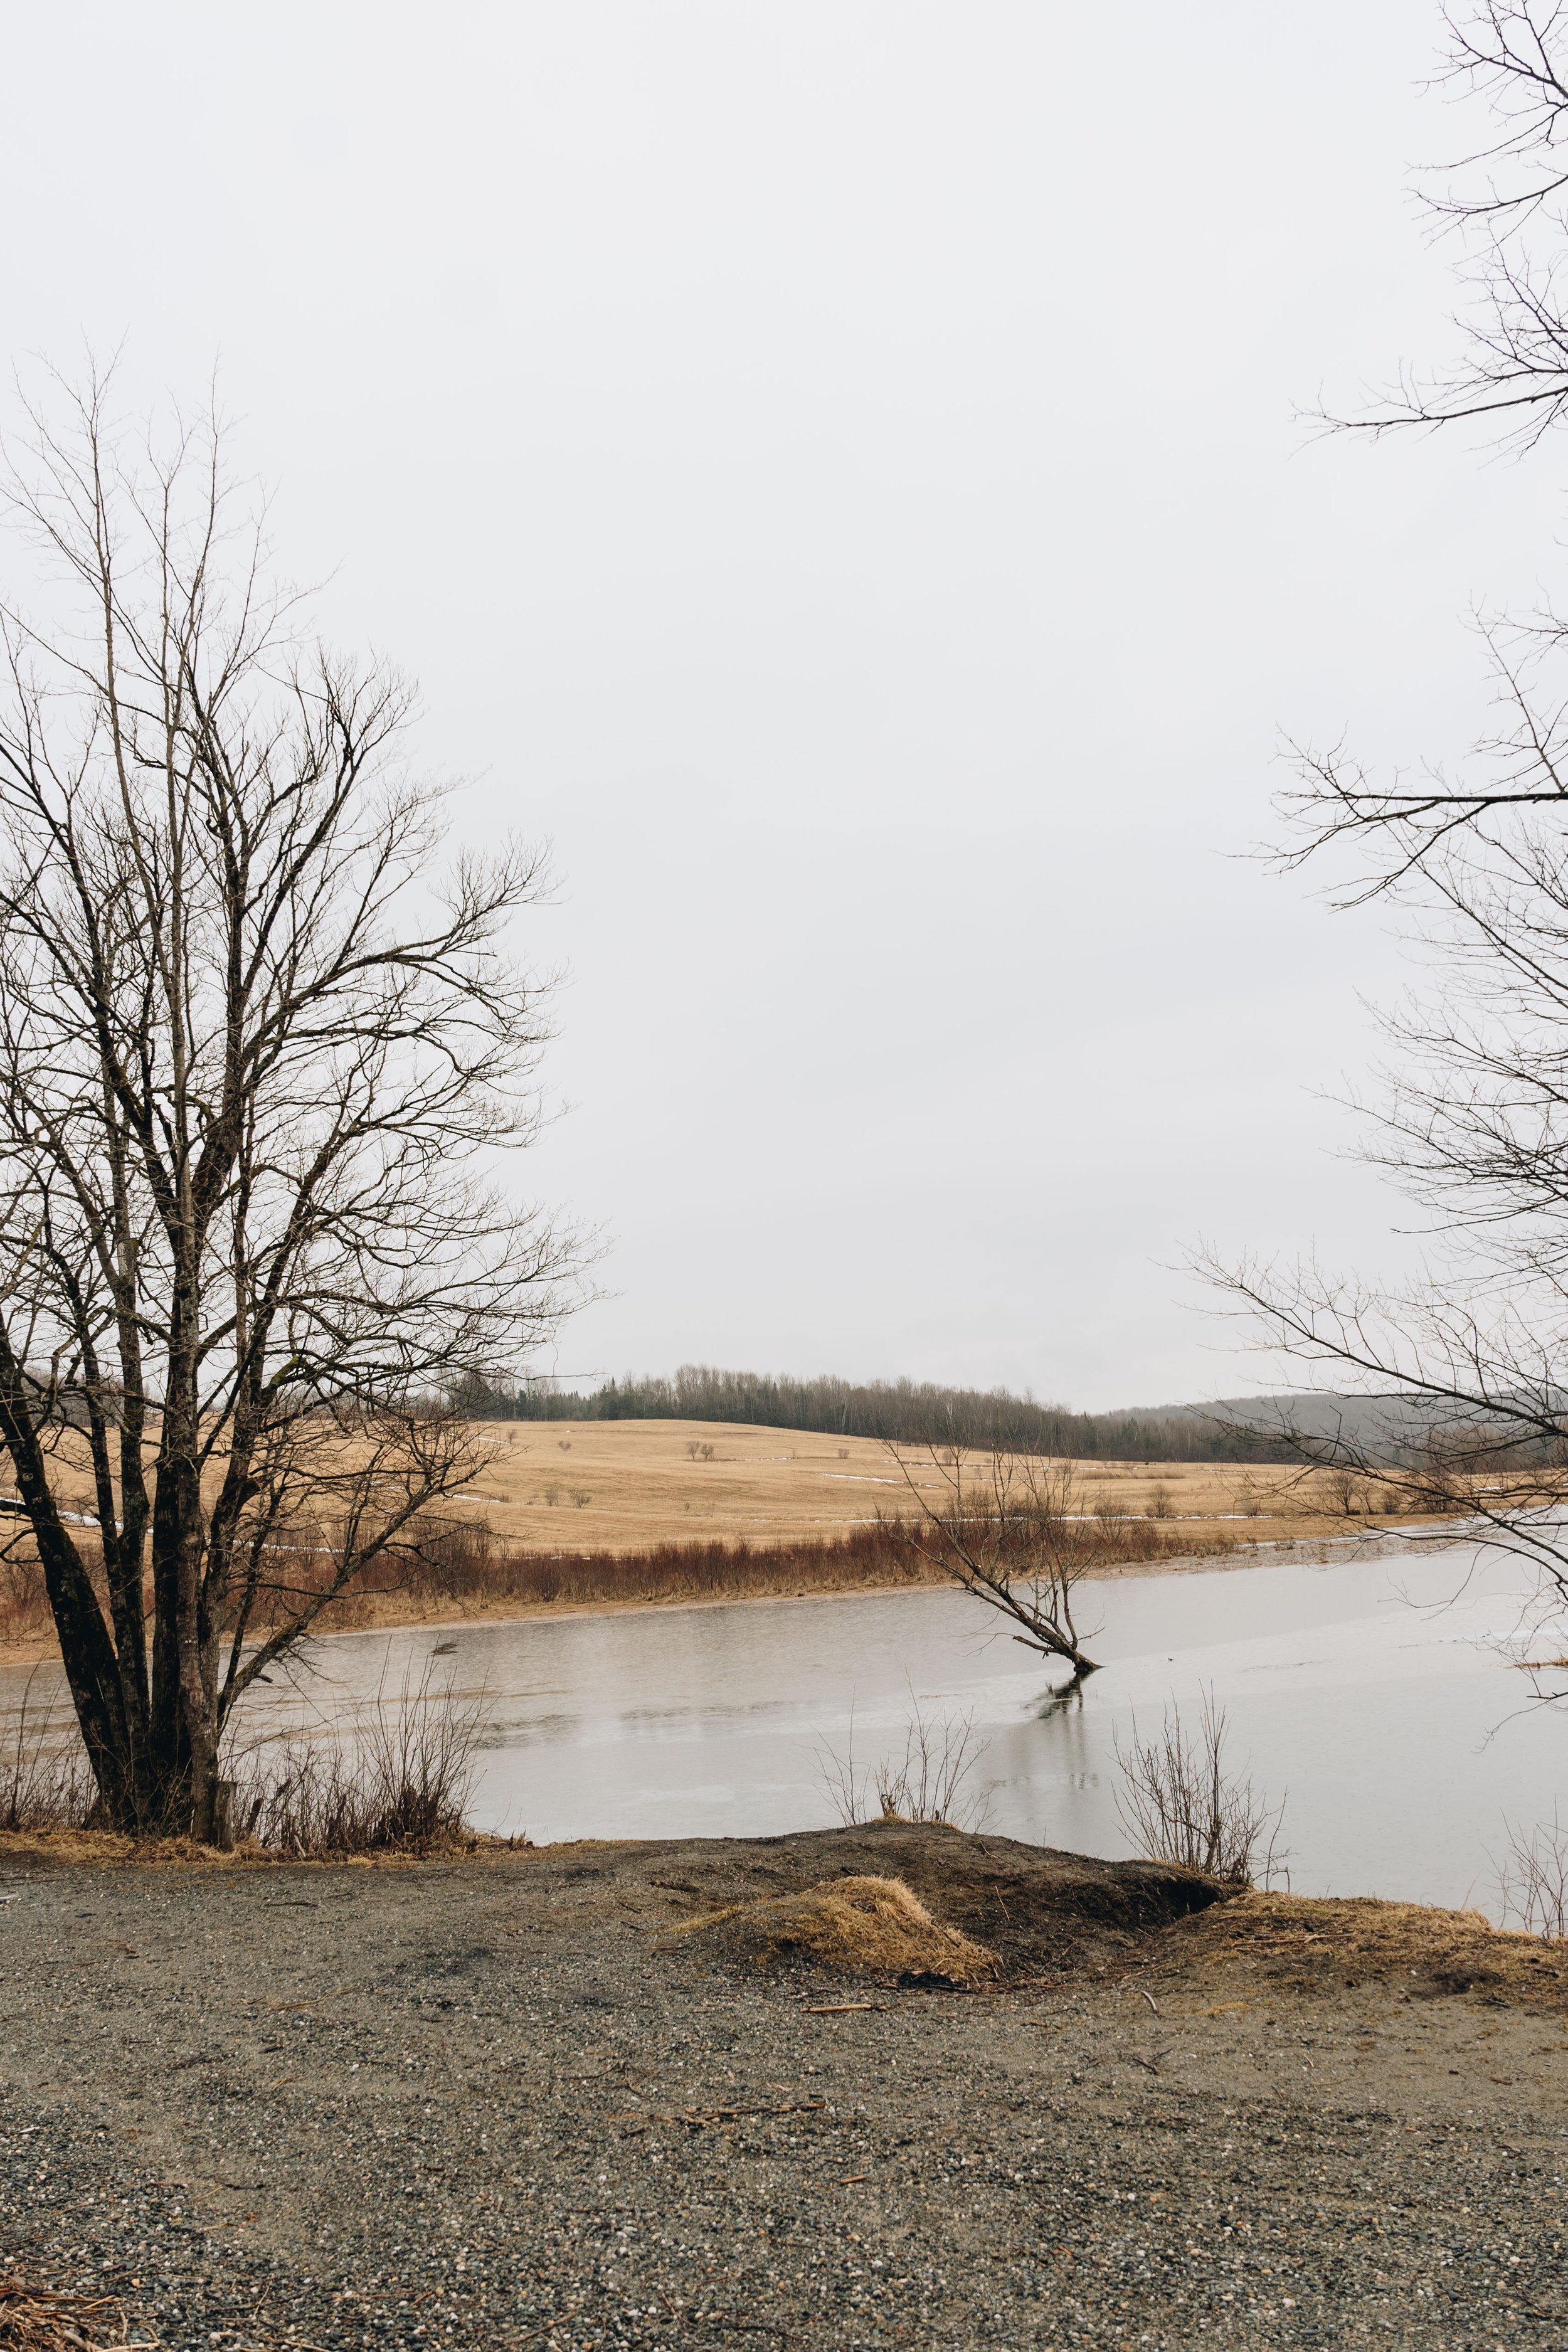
37, 2318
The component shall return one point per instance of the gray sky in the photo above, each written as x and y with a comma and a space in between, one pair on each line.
832, 468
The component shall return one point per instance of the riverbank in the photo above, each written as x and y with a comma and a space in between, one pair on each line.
508, 2103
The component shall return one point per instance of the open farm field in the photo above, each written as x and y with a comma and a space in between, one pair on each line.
622, 1487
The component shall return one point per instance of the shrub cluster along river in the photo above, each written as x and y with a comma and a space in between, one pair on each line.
1378, 1694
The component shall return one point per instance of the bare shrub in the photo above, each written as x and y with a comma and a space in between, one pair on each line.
449, 1563
1533, 1882
402, 1785
1179, 1804
926, 1784
1161, 1505
45, 1781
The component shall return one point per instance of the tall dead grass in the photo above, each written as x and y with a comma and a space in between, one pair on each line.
398, 1778
45, 1781
394, 1777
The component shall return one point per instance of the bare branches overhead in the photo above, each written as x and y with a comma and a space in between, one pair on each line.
1503, 199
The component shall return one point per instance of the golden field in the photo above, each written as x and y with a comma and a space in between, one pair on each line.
625, 1486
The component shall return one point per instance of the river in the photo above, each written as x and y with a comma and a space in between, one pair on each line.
1374, 1695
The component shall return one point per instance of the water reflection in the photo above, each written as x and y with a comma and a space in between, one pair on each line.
1374, 1692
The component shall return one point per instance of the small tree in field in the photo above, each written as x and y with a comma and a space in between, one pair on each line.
260, 1044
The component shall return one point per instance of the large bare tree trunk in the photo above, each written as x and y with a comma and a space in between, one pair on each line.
261, 1051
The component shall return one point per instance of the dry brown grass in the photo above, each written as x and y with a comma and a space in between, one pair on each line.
104, 1849
864, 1926
1328, 1942
35, 2319
100, 1847
653, 1482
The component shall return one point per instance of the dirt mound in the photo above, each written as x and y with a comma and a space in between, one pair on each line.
871, 1927
1308, 1942
1039, 1911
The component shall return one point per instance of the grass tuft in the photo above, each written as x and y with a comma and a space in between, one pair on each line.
868, 1926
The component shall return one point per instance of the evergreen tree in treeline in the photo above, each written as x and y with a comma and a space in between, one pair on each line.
905, 1411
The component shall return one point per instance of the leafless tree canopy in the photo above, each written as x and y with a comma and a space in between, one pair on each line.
1012, 1529
1504, 200
1470, 1114
261, 1046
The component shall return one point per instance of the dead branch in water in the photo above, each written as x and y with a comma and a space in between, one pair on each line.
1013, 1530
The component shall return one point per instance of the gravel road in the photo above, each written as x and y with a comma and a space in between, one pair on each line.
495, 2104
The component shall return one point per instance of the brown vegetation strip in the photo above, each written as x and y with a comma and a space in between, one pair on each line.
469, 1569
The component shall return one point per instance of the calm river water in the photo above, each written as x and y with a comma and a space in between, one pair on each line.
1375, 1694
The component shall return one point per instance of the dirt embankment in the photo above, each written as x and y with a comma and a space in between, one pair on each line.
530, 2100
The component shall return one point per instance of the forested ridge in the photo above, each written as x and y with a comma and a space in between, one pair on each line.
906, 1411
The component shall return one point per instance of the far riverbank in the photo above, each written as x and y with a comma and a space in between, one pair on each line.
693, 1580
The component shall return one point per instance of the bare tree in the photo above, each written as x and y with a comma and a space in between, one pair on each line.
1012, 1529
1456, 1374
261, 1046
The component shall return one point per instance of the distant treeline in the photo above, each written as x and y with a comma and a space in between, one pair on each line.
912, 1412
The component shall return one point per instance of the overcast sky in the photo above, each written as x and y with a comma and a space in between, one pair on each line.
833, 469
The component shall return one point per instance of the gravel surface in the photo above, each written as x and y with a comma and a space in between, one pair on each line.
495, 2103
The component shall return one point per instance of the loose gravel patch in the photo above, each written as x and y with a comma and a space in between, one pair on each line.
497, 2103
